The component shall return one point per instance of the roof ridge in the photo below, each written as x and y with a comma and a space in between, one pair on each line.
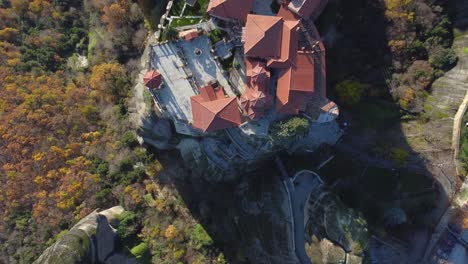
229, 103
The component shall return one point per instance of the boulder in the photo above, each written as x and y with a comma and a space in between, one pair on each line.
91, 240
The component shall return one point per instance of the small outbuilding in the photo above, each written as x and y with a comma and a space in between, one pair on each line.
153, 79
188, 34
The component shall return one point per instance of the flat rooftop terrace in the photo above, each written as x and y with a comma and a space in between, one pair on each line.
185, 66
175, 95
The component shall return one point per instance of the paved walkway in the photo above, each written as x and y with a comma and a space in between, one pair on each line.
299, 189
456, 80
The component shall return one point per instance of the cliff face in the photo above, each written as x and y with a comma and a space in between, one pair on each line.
91, 240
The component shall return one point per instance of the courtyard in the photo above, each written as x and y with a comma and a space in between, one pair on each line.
185, 66
203, 64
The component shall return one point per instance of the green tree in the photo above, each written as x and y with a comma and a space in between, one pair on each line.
295, 126
200, 237
350, 91
442, 58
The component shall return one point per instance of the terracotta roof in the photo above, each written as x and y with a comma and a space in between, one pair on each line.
212, 111
262, 36
289, 44
255, 103
307, 8
189, 34
287, 14
230, 9
296, 85
256, 100
152, 79
256, 73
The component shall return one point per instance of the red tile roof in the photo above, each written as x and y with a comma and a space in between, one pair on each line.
212, 111
256, 100
262, 36
230, 9
189, 34
289, 43
255, 103
256, 73
296, 84
152, 79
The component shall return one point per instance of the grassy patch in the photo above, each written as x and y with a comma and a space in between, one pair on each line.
180, 22
94, 37
464, 142
465, 50
457, 33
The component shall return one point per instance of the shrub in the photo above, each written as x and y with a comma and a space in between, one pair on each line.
215, 35
129, 140
128, 224
441, 58
141, 252
295, 126
406, 98
350, 91
103, 197
417, 50
170, 33
200, 237
399, 156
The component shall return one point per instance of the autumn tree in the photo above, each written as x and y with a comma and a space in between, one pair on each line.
110, 80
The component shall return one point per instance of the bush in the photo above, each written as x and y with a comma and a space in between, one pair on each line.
350, 91
417, 50
295, 126
141, 253
170, 33
200, 237
443, 59
128, 224
104, 197
215, 35
129, 140
399, 156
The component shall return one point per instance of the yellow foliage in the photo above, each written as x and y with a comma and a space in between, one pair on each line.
171, 232
399, 9
39, 180
407, 97
38, 156
397, 45
161, 205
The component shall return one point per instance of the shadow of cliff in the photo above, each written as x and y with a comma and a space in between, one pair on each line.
374, 167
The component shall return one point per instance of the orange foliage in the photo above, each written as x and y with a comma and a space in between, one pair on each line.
42, 166
114, 16
107, 78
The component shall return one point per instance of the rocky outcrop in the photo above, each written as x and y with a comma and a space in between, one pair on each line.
91, 240
329, 221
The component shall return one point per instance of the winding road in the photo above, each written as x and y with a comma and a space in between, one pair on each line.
299, 189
